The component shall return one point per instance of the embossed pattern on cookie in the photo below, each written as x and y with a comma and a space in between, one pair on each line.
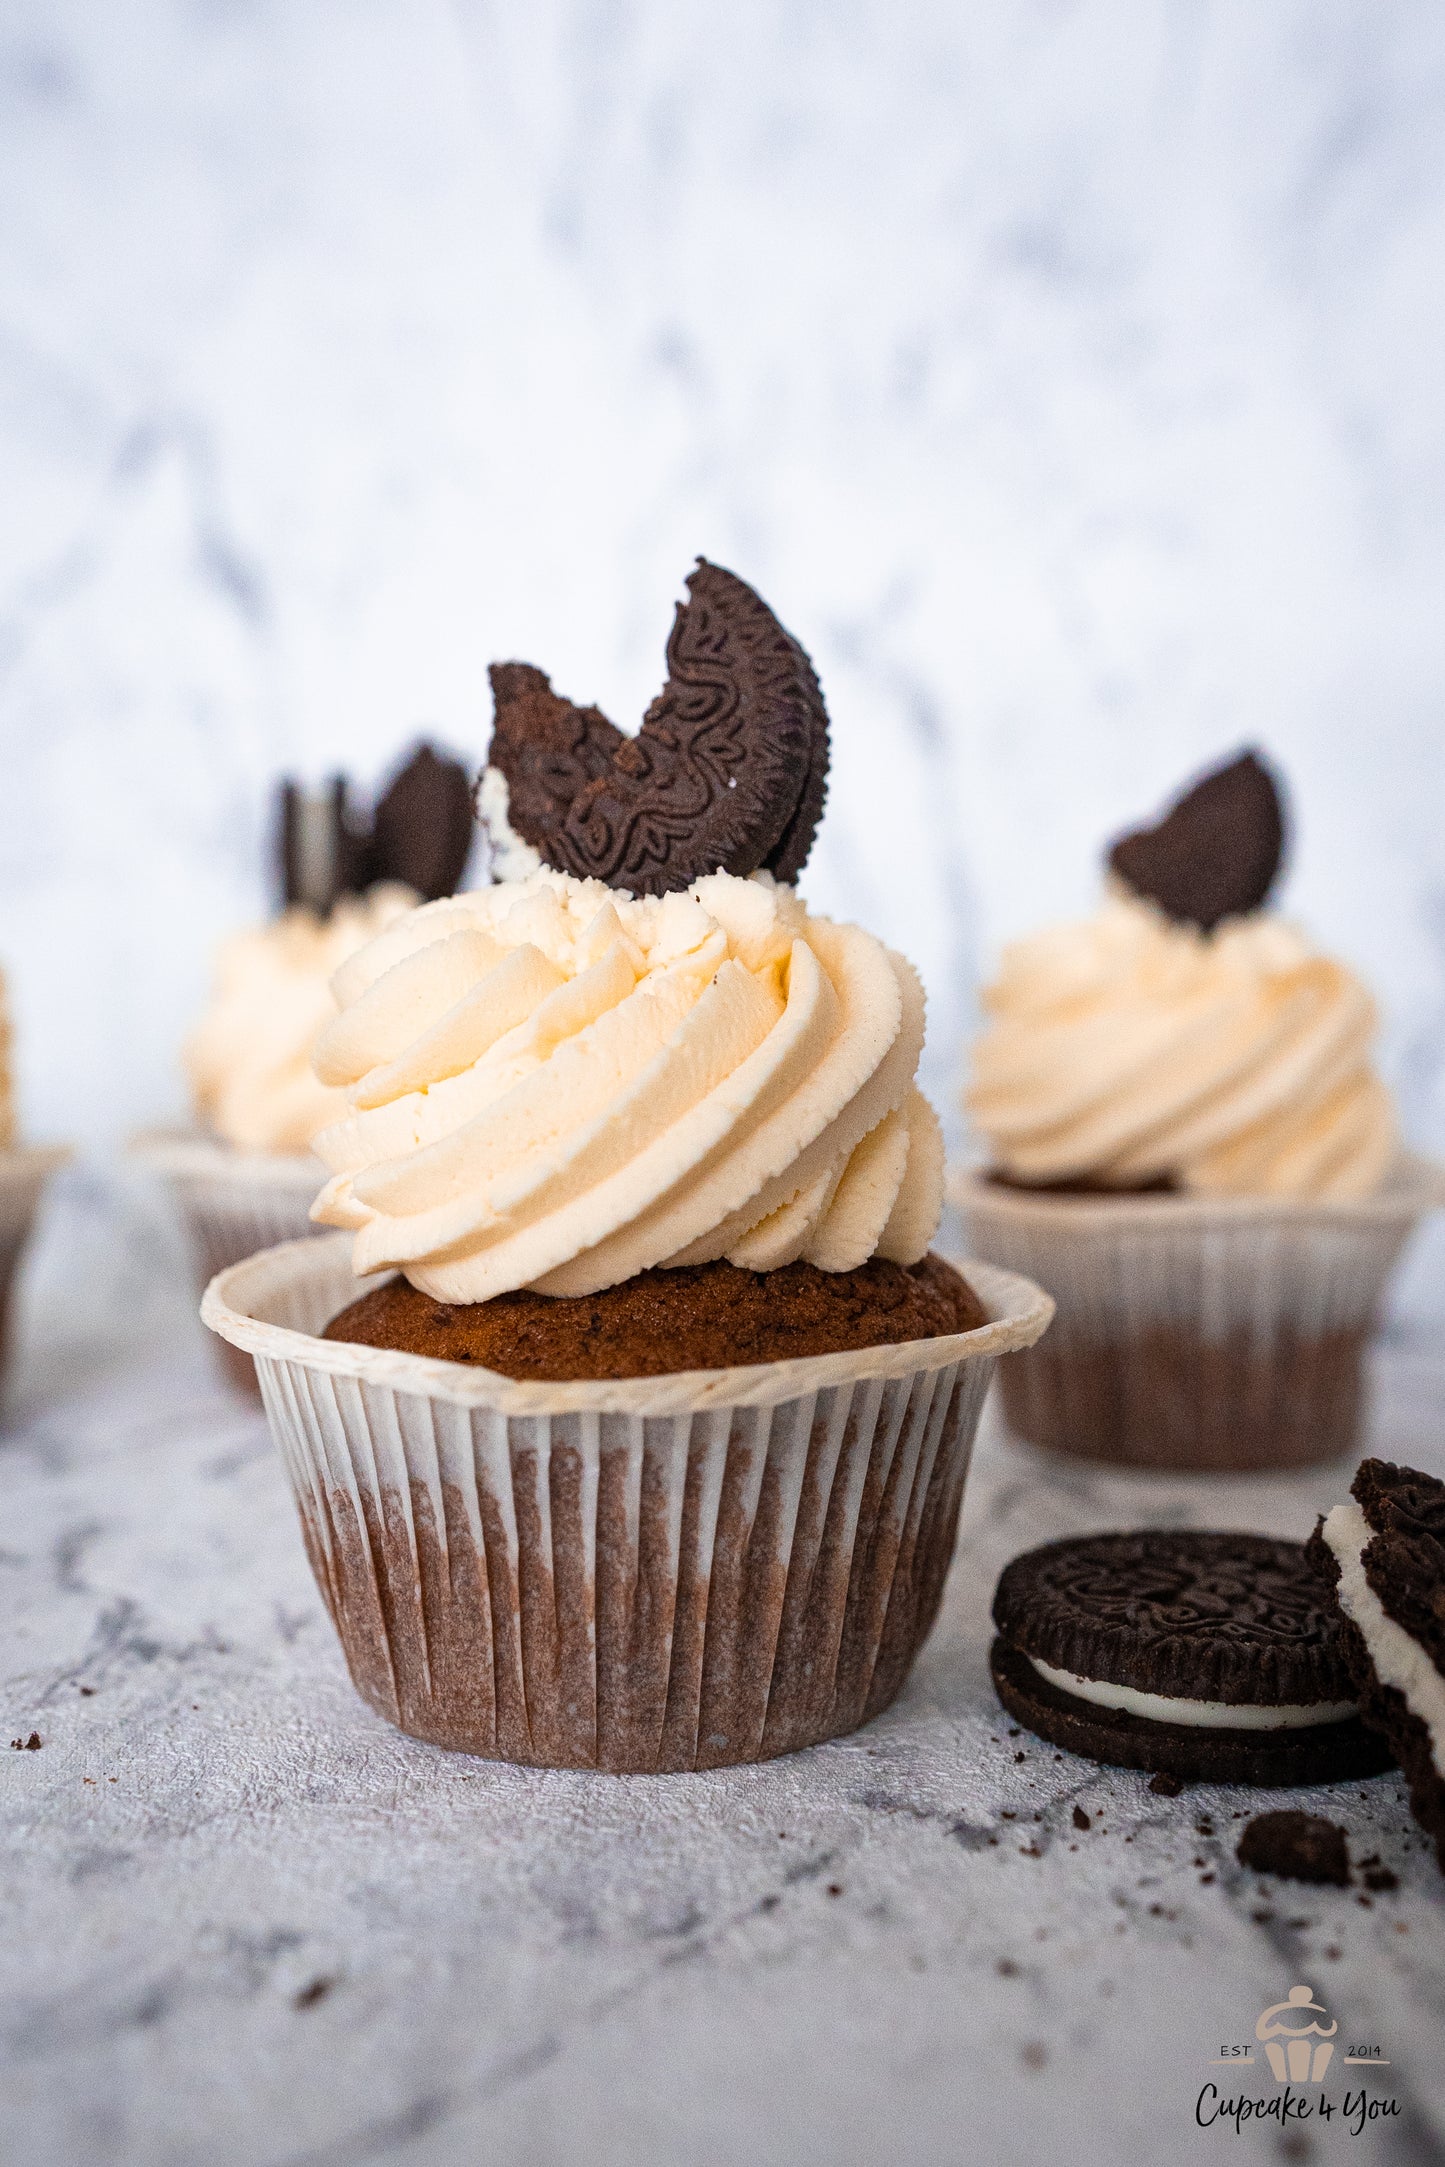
728, 771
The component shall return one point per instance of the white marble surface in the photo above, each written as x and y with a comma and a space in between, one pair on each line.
1070, 377
249, 1925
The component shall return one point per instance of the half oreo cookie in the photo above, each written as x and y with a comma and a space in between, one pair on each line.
1384, 1555
1208, 1656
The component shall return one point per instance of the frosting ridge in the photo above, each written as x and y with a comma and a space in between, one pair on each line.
555, 1084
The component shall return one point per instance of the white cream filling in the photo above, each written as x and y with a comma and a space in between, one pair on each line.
513, 858
1204, 1715
1398, 1657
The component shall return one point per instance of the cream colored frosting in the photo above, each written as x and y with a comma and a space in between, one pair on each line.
1400, 1660
1203, 1715
249, 1058
8, 1124
556, 1085
1127, 1047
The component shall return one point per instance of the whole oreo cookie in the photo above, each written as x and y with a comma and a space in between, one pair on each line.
1209, 1656
728, 771
1217, 852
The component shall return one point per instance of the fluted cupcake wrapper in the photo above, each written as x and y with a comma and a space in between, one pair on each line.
672, 1573
24, 1171
1196, 1333
231, 1204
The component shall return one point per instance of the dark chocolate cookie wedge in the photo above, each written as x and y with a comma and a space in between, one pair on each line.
1384, 1556
422, 829
1216, 853
728, 771
1204, 1654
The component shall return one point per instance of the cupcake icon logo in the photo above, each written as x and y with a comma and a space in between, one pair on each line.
1297, 2045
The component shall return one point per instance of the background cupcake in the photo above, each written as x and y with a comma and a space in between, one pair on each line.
23, 1175
638, 1100
245, 1176
1189, 1145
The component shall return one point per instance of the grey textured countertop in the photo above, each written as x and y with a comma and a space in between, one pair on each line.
248, 1922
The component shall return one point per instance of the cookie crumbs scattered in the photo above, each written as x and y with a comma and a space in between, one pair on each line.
1163, 1785
1082, 1819
310, 1995
1381, 1877
26, 1745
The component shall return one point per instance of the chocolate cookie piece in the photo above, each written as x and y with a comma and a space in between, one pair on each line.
728, 771
320, 846
1207, 1655
1384, 1556
1296, 1846
1216, 853
420, 833
704, 1316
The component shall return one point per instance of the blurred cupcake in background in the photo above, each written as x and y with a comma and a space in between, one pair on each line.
244, 1176
1189, 1146
24, 1171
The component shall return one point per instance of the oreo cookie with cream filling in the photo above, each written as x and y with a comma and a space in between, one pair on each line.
1210, 1656
1384, 1555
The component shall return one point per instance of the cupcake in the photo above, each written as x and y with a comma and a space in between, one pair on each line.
244, 1176
1189, 1145
24, 1172
648, 1451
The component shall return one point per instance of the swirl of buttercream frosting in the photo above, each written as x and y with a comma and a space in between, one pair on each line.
1127, 1048
556, 1085
249, 1057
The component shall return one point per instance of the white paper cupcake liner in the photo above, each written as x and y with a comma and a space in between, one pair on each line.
24, 1172
667, 1573
1196, 1333
233, 1203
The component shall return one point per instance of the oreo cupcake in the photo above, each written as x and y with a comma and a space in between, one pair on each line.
651, 1456
245, 1176
1189, 1145
24, 1171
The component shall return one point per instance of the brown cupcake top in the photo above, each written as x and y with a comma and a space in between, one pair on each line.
707, 1316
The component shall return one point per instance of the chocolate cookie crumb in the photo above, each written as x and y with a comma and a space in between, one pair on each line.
1296, 1846
1164, 1785
1381, 1878
1081, 1819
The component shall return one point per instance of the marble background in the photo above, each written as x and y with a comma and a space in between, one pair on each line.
1069, 377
